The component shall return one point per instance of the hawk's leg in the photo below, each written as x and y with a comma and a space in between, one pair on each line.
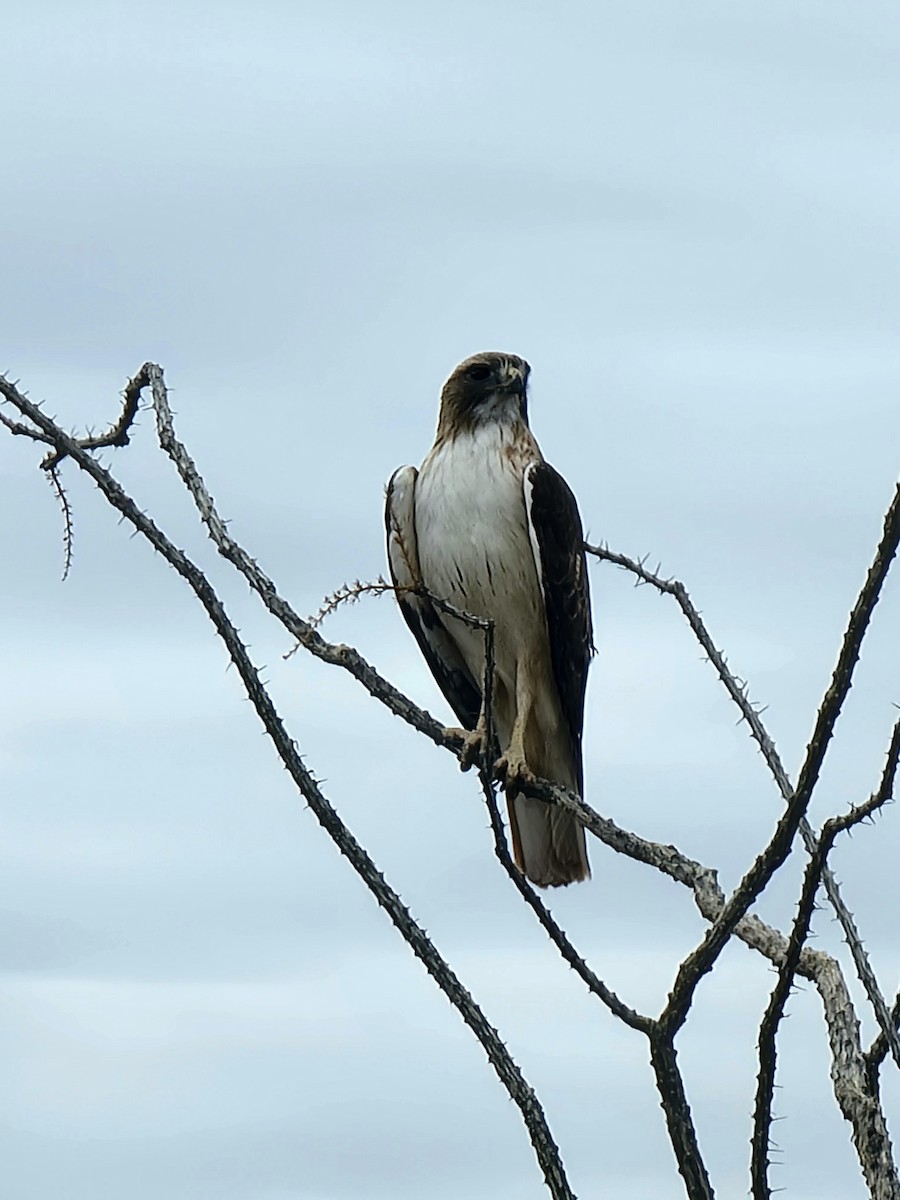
511, 766
474, 748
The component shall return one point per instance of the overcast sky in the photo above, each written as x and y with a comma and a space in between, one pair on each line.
685, 217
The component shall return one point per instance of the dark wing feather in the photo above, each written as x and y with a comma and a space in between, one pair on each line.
558, 542
438, 647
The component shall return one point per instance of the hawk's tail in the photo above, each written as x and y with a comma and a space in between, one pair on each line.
549, 845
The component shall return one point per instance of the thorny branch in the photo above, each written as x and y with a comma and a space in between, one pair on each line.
350, 593
22, 430
617, 1007
854, 1087
762, 1119
737, 690
709, 897
877, 1052
118, 434
507, 1071
226, 546
66, 509
670, 1085
347, 593
855, 1077
501, 847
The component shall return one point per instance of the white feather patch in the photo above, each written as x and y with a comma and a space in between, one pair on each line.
403, 552
474, 543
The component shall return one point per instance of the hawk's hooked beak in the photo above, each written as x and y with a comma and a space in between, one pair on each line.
516, 380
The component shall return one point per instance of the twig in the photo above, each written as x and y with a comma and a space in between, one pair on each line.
117, 434
762, 1119
504, 1066
735, 687
20, 430
347, 593
68, 527
617, 1007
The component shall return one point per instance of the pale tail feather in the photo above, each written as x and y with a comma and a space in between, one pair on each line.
548, 843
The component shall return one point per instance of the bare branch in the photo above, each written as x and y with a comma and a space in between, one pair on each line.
21, 430
840, 1018
504, 1066
737, 690
887, 1025
118, 434
826, 972
735, 687
700, 960
775, 1010
857, 1099
709, 897
674, 1101
501, 847
347, 593
617, 1007
859, 1104
877, 1052
679, 1122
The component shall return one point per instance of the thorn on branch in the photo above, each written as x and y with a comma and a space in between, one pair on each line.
349, 593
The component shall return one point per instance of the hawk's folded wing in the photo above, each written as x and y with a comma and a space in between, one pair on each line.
440, 650
558, 544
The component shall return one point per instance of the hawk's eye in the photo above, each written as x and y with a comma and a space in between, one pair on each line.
479, 372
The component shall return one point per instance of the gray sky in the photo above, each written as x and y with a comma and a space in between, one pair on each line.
684, 216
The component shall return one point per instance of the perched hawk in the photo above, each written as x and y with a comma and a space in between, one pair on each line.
488, 526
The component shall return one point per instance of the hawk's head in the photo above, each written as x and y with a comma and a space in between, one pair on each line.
486, 387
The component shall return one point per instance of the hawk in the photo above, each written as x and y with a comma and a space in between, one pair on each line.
488, 526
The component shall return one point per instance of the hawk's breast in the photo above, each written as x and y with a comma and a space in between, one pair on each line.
474, 545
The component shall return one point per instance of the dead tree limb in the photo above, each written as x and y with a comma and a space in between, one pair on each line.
854, 1075
738, 691
506, 1069
762, 1117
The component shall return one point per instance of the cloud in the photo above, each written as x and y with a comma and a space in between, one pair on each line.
685, 219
